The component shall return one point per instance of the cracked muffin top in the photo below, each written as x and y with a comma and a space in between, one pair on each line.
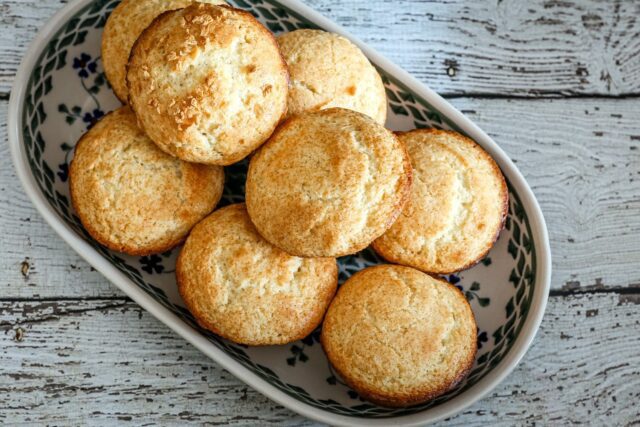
327, 183
327, 70
457, 208
124, 26
131, 196
398, 336
207, 83
243, 288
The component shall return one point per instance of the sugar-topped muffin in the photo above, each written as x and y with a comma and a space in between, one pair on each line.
327, 183
242, 288
457, 207
207, 83
131, 196
398, 336
124, 26
327, 70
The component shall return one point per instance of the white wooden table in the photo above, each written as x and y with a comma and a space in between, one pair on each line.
555, 82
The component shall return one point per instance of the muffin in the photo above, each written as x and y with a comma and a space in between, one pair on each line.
130, 195
399, 337
125, 24
207, 83
327, 70
327, 183
457, 208
239, 286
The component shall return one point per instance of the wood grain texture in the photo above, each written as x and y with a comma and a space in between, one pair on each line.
108, 362
507, 47
458, 47
74, 350
581, 157
34, 260
582, 160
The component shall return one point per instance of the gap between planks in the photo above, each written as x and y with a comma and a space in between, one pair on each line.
633, 289
123, 365
530, 96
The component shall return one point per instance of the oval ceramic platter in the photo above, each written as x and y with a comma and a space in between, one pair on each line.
61, 91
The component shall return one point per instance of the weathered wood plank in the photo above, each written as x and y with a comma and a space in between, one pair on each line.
464, 47
108, 362
582, 158
104, 361
583, 368
35, 262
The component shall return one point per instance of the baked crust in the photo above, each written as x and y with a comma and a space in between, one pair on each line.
241, 287
457, 208
207, 83
327, 183
399, 337
124, 26
327, 70
131, 196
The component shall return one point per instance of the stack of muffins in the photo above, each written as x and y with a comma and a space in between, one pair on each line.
205, 86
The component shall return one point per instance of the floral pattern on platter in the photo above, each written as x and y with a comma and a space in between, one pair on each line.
67, 93
86, 67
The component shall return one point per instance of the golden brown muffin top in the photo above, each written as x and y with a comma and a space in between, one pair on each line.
399, 337
130, 195
124, 26
327, 70
207, 83
457, 206
327, 183
241, 287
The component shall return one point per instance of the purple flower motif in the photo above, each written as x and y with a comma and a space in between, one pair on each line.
482, 338
63, 172
92, 118
454, 280
85, 65
152, 264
